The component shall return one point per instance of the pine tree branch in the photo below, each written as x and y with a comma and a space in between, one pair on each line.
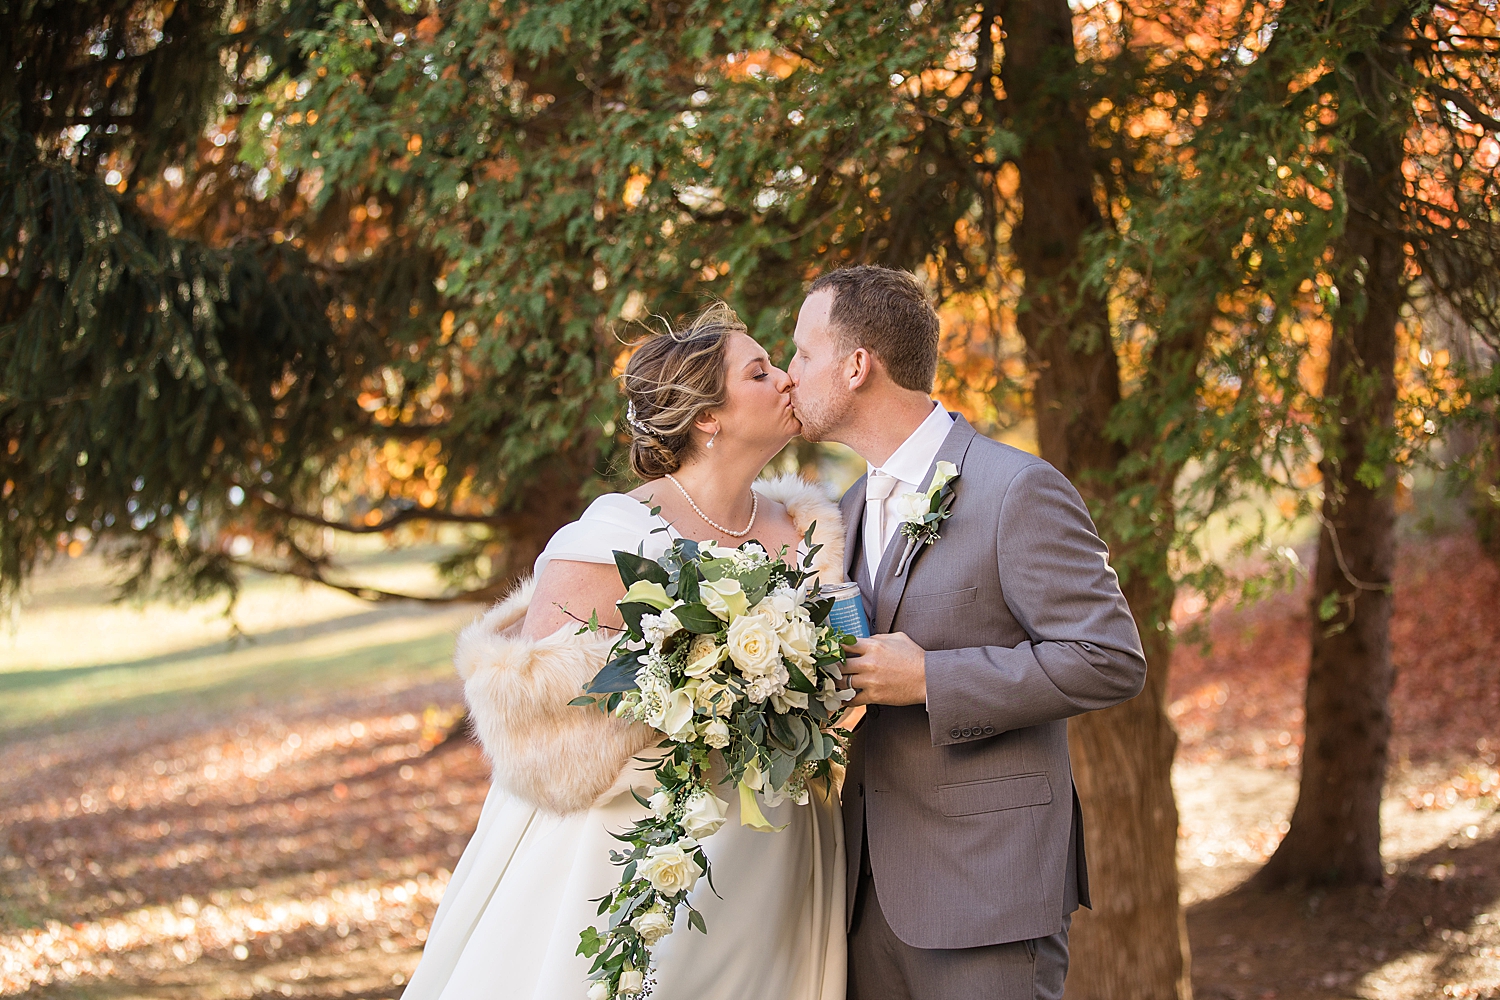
386, 524
1468, 107
312, 569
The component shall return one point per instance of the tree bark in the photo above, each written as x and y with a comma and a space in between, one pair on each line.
1335, 830
1133, 944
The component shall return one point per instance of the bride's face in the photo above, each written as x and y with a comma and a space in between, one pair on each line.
757, 412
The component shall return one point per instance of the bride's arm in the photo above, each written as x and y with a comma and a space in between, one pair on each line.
519, 683
568, 592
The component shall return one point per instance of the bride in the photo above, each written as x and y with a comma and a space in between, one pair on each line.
707, 411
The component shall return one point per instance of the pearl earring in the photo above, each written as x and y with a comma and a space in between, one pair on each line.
711, 439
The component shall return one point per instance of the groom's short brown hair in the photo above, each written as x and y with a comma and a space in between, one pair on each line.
886, 312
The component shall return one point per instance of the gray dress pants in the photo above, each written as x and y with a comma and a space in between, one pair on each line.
883, 967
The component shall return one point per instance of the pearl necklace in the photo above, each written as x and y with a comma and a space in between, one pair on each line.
754, 508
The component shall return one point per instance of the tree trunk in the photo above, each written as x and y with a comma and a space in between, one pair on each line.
1133, 944
1335, 830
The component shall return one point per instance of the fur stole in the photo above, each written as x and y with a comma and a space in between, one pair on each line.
564, 758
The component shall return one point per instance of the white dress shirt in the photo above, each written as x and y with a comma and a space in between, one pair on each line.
904, 472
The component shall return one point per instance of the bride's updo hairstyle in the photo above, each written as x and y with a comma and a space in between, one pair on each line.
670, 380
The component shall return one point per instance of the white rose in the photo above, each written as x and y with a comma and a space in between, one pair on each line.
670, 869
754, 646
724, 598
798, 640
912, 506
598, 990
715, 733
714, 698
704, 814
773, 611
674, 716
661, 803
631, 981
704, 653
652, 926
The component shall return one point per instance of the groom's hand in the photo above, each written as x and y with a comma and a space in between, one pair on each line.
887, 670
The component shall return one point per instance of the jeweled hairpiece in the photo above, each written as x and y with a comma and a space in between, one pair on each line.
630, 418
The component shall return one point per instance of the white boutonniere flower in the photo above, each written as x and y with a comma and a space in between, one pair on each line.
922, 513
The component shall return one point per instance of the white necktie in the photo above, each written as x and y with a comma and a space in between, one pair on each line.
878, 486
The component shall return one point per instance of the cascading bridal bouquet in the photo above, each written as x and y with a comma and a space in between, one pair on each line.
722, 651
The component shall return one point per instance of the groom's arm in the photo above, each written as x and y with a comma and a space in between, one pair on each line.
1084, 651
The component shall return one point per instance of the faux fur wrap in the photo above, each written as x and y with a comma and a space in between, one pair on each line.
564, 758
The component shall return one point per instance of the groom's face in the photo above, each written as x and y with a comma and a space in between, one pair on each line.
821, 393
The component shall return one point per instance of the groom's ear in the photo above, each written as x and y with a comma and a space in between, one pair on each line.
859, 367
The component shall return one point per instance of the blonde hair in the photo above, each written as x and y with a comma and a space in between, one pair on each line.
670, 380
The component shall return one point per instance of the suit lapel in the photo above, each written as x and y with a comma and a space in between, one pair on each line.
889, 587
853, 509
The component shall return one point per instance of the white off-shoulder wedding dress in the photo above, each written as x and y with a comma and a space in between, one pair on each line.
509, 921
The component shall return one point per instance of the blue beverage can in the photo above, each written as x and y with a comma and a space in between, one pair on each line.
848, 612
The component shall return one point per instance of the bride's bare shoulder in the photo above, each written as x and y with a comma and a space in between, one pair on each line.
648, 492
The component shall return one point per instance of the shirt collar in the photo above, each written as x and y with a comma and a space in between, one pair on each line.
910, 462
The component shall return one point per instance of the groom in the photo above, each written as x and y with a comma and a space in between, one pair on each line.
964, 835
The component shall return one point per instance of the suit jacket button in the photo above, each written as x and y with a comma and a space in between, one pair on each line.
968, 732
989, 730
955, 734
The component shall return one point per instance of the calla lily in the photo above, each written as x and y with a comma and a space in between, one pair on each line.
676, 717
750, 814
724, 598
647, 592
940, 476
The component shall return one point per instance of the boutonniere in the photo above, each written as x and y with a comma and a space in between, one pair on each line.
921, 513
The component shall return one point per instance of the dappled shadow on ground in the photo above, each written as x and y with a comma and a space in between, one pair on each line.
284, 854
1433, 930
298, 847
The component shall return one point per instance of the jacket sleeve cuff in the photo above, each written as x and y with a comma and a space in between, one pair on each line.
953, 718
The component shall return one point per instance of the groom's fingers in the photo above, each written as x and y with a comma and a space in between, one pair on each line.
886, 670
865, 670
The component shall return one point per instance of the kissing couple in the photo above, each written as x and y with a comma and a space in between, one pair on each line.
951, 860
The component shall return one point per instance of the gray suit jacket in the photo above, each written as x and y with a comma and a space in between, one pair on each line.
975, 834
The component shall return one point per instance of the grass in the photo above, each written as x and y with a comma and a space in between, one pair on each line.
76, 657
185, 813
